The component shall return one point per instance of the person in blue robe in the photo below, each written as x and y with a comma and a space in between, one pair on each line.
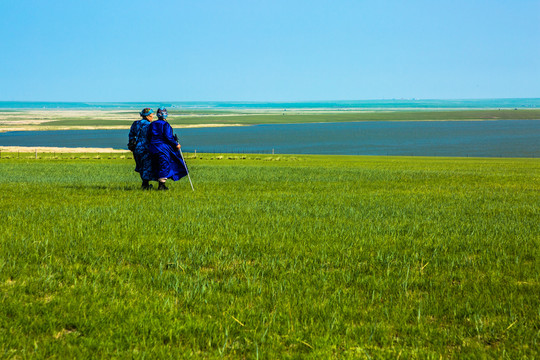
165, 149
138, 144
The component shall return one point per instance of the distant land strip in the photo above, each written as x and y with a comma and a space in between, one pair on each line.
23, 120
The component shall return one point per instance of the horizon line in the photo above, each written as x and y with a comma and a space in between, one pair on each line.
269, 101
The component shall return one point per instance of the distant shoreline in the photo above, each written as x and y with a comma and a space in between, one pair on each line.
97, 119
52, 149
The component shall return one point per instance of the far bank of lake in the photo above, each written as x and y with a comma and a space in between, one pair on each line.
501, 138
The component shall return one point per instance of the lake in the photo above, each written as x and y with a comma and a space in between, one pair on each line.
501, 138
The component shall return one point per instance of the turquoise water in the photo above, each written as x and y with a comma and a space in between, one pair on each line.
341, 104
502, 138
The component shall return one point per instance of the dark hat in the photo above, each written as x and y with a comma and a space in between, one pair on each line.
162, 113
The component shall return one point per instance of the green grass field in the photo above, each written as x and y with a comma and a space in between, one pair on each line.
271, 257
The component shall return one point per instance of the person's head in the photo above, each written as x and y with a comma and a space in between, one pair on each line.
162, 113
147, 114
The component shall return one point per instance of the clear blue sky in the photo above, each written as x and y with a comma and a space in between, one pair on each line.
268, 50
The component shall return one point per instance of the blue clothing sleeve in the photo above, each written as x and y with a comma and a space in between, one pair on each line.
168, 134
133, 131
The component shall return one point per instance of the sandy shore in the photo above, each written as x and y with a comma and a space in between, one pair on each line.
38, 120
41, 116
44, 149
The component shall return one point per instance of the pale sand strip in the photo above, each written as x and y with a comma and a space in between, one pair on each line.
44, 149
46, 128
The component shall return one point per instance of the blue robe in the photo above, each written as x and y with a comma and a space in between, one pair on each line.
166, 158
143, 158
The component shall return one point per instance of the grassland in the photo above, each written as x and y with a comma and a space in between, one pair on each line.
271, 257
72, 119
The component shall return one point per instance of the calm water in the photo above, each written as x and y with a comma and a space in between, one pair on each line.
340, 104
506, 138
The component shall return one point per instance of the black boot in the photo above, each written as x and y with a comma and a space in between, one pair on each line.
146, 185
162, 186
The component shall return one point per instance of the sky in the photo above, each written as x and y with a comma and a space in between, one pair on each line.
268, 50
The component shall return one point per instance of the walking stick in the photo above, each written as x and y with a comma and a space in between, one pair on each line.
185, 165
